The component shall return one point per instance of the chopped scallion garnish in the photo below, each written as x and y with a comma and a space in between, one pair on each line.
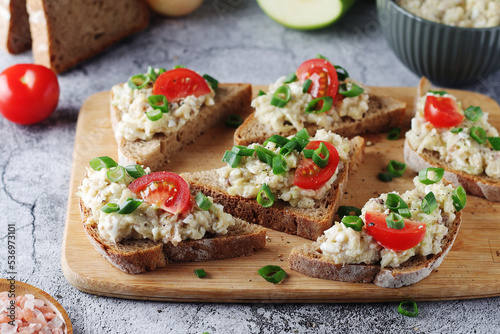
139, 81
160, 71
473, 113
279, 165
233, 121
394, 133
308, 154
116, 174
158, 102
231, 158
456, 130
494, 142
290, 78
429, 203
384, 177
281, 96
438, 92
395, 221
278, 140
203, 202
306, 85
350, 90
110, 207
408, 304
261, 92
324, 104
459, 198
211, 81
200, 273
129, 206
426, 178
347, 210
396, 168
243, 151
321, 155
265, 155
102, 162
396, 204
154, 115
341, 73
273, 274
135, 171
353, 222
289, 147
151, 72
478, 134
320, 56
265, 197
179, 66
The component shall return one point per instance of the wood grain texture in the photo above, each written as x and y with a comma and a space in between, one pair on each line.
22, 288
471, 270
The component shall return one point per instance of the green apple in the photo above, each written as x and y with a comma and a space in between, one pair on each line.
305, 14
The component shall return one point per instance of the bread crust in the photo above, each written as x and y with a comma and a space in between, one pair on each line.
15, 36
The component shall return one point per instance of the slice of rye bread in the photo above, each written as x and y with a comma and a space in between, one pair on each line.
134, 256
383, 114
156, 152
309, 260
65, 33
480, 185
15, 36
305, 222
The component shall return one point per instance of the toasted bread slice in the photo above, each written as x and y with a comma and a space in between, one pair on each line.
480, 185
134, 256
383, 114
15, 36
305, 222
309, 260
155, 153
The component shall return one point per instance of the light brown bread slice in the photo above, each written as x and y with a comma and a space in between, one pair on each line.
15, 36
480, 185
65, 33
308, 223
155, 153
309, 260
383, 114
134, 256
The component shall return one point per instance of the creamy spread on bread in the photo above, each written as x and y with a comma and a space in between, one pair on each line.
344, 245
293, 116
247, 179
147, 221
458, 150
133, 105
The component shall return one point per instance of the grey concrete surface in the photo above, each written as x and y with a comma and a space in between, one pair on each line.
234, 41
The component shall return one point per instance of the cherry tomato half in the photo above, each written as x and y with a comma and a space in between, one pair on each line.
442, 112
323, 75
390, 238
29, 93
308, 175
179, 83
166, 190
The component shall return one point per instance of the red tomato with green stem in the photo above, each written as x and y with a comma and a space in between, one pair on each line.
323, 75
308, 175
442, 112
29, 93
180, 83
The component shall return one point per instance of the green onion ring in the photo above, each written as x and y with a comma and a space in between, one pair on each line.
459, 198
158, 102
395, 221
456, 130
102, 162
347, 210
265, 155
473, 113
231, 158
302, 134
116, 174
321, 155
161, 70
406, 304
277, 139
129, 206
269, 199
308, 154
281, 96
139, 81
478, 134
211, 81
289, 147
423, 175
353, 91
203, 202
394, 134
320, 56
353, 222
341, 73
200, 273
152, 74
290, 78
135, 171
243, 151
110, 207
273, 274
306, 85
327, 105
233, 121
396, 204
495, 143
279, 165
261, 92
384, 177
429, 203
154, 115
438, 92
179, 66
396, 168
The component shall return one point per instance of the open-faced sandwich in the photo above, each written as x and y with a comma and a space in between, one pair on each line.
445, 134
289, 184
155, 114
318, 96
140, 221
396, 240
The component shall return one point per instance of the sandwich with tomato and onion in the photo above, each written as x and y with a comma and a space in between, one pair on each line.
393, 241
458, 138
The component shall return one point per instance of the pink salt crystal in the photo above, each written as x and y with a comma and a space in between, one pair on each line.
56, 322
8, 329
29, 304
3, 306
49, 316
46, 330
19, 313
38, 302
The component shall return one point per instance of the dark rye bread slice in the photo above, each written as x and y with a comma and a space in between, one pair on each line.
480, 185
155, 153
383, 114
134, 256
305, 222
309, 260
65, 33
15, 36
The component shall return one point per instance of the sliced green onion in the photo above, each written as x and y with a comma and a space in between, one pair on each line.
302, 134
203, 202
438, 92
102, 162
327, 103
396, 204
395, 221
456, 130
211, 81
243, 151
473, 113
261, 92
478, 134
154, 115
424, 177
269, 198
151, 72
353, 222
129, 206
136, 171
281, 96
265, 155
405, 212
384, 177
139, 81
231, 158
278, 140
396, 168
110, 207
233, 121
459, 198
408, 304
116, 174
308, 154
179, 66
200, 273
306, 85
429, 203
341, 73
347, 210
320, 56
273, 274
394, 134
289, 147
494, 142
161, 70
158, 102
279, 165
290, 78
321, 156
302, 138
353, 91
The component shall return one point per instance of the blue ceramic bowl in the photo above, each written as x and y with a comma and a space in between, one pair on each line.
447, 55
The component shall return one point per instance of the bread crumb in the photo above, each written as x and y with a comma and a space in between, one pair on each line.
280, 255
369, 143
268, 239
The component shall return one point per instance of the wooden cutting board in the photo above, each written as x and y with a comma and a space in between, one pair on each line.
471, 270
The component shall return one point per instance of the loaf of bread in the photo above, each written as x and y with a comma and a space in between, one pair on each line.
15, 36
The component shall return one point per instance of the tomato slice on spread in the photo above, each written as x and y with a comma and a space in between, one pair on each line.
308, 175
442, 112
166, 190
179, 83
323, 75
390, 238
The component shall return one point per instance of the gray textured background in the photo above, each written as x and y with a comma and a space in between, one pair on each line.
234, 41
